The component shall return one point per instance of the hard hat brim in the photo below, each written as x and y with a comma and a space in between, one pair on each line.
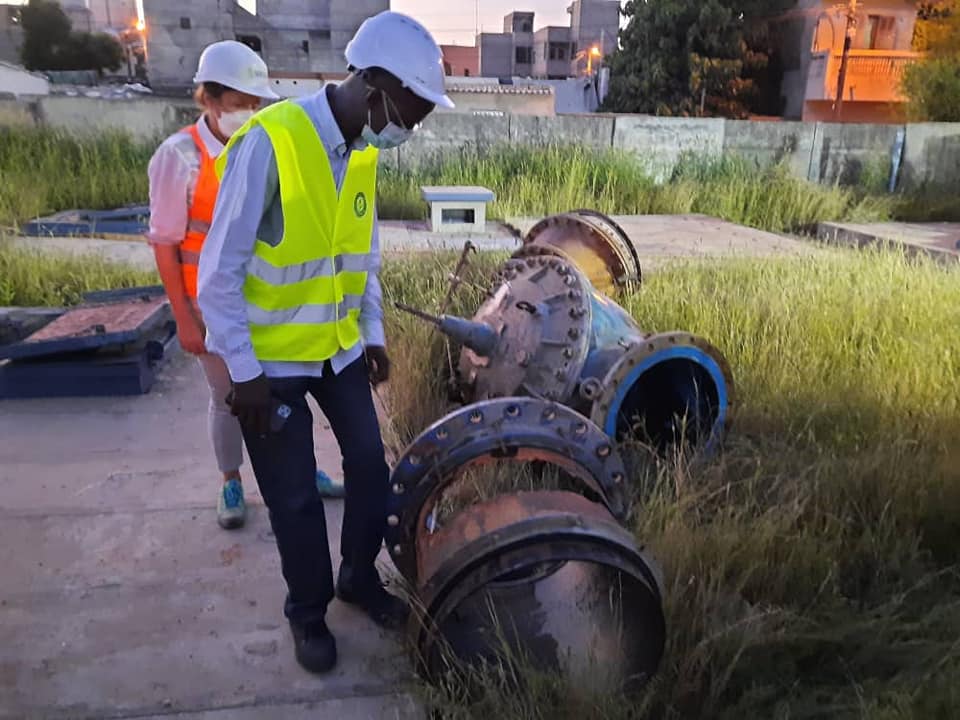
264, 92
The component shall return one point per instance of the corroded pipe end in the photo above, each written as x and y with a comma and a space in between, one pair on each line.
549, 576
591, 241
563, 587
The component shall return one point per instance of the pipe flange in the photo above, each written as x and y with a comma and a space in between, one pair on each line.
542, 314
520, 429
649, 352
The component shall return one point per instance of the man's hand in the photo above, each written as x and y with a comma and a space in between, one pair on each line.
378, 364
250, 402
190, 333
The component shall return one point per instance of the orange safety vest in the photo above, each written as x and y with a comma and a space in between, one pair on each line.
200, 215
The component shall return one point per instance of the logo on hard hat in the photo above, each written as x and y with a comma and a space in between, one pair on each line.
360, 205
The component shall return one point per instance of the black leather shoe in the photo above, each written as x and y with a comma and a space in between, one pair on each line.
314, 647
386, 610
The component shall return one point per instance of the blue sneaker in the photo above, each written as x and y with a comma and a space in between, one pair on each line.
327, 487
231, 508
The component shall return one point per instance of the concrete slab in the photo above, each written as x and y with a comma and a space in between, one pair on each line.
940, 241
660, 238
656, 236
121, 597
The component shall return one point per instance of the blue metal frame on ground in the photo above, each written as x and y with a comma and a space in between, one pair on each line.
123, 221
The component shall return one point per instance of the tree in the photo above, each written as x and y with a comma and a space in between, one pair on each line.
932, 85
50, 44
692, 57
46, 34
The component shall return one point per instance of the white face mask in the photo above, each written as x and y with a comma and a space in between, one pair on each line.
391, 136
230, 122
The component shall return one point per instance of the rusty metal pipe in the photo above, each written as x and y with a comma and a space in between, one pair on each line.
546, 331
592, 242
547, 575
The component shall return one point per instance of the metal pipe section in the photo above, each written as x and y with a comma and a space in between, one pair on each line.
547, 577
546, 331
592, 242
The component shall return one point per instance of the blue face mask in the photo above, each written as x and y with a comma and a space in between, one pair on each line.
391, 136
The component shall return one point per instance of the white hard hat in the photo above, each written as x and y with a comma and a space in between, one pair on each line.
235, 66
404, 48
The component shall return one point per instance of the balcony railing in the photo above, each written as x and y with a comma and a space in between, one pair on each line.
872, 75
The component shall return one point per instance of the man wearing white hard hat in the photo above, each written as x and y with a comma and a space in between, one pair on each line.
290, 294
231, 81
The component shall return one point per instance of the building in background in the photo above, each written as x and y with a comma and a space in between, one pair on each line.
552, 52
593, 24
295, 37
461, 60
811, 40
11, 34
491, 97
107, 14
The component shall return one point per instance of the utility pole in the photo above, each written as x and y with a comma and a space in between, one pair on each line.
847, 41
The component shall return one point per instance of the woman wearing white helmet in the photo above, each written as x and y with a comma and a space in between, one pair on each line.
231, 82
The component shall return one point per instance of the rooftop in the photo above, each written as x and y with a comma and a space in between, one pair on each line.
491, 89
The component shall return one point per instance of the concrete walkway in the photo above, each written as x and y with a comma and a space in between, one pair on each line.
656, 237
120, 596
940, 241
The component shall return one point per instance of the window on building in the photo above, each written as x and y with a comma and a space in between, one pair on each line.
558, 51
881, 32
320, 34
305, 46
527, 26
466, 72
447, 70
523, 55
185, 23
251, 41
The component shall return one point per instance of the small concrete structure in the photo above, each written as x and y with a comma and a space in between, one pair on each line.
458, 208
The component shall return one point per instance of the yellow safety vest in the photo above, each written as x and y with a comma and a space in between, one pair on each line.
303, 294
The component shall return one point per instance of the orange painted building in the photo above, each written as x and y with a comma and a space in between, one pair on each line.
880, 49
461, 60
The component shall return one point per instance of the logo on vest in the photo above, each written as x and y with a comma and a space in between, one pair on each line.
360, 205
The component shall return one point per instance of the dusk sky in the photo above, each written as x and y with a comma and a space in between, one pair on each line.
455, 20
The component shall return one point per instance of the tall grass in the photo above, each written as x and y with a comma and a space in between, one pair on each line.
813, 568
44, 171
531, 181
31, 278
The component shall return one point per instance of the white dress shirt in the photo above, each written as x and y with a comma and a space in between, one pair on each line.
248, 208
173, 172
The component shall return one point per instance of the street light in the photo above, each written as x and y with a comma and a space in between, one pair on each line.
594, 53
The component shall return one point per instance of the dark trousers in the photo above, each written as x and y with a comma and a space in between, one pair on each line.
285, 468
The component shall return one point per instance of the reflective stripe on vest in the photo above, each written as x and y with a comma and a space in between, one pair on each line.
200, 215
304, 293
